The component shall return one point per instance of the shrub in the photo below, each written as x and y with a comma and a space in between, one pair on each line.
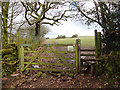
60, 37
74, 36
110, 65
47, 38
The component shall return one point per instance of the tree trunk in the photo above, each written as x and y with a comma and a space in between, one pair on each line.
37, 29
5, 6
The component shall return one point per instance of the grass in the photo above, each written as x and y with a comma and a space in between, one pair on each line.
86, 41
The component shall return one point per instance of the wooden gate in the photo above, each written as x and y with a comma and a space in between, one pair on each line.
47, 58
59, 62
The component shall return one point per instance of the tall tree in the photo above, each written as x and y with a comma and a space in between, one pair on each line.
106, 15
39, 13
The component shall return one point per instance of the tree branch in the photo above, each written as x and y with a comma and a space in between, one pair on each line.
88, 16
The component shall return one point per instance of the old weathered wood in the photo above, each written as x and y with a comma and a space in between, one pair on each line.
96, 44
49, 58
87, 50
52, 52
99, 44
21, 57
42, 63
96, 59
78, 61
87, 54
55, 70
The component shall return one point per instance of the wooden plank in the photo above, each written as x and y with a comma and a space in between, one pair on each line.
87, 54
54, 64
65, 51
57, 45
49, 58
42, 57
87, 50
30, 51
22, 57
91, 59
55, 70
58, 64
52, 52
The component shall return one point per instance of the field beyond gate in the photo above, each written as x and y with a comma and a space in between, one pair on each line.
49, 57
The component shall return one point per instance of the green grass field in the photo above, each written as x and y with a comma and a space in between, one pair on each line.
86, 41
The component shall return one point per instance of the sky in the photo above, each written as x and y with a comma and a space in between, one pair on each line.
70, 28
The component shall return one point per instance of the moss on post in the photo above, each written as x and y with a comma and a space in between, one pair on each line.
78, 60
21, 58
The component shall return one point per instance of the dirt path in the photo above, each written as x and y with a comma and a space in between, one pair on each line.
50, 81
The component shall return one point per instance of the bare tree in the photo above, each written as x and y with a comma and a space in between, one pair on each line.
44, 13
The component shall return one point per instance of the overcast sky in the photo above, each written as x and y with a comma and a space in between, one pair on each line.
70, 28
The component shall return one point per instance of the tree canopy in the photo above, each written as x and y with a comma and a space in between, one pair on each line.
106, 15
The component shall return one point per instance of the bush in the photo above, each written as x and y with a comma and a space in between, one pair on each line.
47, 38
74, 36
110, 65
60, 37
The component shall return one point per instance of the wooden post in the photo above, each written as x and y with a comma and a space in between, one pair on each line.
0, 52
99, 44
18, 47
78, 60
97, 47
96, 44
21, 58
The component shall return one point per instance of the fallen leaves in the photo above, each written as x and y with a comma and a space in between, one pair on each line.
4, 78
34, 79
